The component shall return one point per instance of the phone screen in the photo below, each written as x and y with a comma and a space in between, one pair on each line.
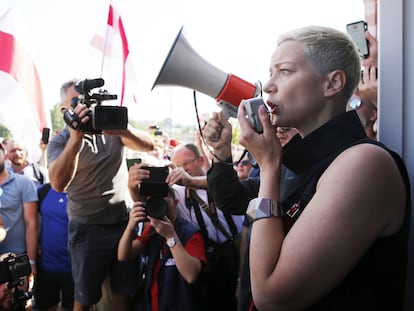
131, 162
357, 32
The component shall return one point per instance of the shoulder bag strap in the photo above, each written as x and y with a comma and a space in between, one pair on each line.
211, 212
190, 203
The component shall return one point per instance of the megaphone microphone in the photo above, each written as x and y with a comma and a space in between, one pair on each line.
184, 67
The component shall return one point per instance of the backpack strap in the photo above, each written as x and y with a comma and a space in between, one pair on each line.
43, 191
38, 174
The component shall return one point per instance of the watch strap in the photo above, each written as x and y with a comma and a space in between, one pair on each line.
263, 208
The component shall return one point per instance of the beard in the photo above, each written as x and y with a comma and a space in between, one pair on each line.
2, 167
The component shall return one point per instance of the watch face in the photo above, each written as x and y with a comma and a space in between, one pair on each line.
171, 242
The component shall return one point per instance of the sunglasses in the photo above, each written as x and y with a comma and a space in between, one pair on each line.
242, 163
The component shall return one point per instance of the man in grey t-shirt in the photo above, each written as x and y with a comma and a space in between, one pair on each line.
92, 170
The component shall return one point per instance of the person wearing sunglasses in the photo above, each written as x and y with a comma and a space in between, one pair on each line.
242, 166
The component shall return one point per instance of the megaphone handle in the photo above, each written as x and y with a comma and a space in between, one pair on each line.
228, 113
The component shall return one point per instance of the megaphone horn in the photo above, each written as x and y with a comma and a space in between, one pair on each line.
184, 67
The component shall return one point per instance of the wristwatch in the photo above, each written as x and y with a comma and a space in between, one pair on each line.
171, 242
263, 208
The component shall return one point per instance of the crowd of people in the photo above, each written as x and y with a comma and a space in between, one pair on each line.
289, 219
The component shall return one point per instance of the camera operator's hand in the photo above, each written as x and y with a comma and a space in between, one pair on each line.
218, 134
136, 215
134, 138
163, 227
135, 177
179, 176
77, 115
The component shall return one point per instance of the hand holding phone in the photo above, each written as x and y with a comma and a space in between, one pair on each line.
357, 32
45, 135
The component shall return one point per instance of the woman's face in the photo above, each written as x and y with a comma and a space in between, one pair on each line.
295, 89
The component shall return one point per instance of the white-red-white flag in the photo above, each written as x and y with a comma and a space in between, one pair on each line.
117, 68
22, 110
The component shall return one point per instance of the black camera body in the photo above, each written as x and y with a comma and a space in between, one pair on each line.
156, 188
101, 117
13, 267
12, 270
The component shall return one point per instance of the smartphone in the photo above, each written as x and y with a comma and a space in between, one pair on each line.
252, 106
131, 162
357, 31
45, 135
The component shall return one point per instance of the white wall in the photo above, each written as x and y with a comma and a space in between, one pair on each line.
396, 95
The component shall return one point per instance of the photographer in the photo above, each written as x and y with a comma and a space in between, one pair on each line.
14, 270
175, 250
91, 169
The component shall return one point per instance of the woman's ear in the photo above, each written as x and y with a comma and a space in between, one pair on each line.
335, 82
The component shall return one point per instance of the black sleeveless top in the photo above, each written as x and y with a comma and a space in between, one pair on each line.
377, 282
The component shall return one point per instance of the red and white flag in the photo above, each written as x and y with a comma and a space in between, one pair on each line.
117, 69
22, 110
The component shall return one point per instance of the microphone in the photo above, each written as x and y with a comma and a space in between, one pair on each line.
86, 85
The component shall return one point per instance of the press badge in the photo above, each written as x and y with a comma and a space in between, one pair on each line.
170, 262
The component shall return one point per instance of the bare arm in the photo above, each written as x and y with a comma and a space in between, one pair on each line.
63, 168
43, 155
180, 177
315, 256
129, 247
134, 139
188, 266
30, 220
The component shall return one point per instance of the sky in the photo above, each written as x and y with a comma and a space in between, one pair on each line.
236, 36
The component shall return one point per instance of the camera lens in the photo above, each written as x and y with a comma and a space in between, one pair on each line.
156, 207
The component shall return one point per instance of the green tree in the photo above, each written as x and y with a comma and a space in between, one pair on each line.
56, 117
236, 131
4, 132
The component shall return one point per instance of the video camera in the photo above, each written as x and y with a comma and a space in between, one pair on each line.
101, 117
156, 188
12, 269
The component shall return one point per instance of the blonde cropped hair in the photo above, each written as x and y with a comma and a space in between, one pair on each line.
329, 49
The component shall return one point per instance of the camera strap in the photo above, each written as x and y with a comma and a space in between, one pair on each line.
211, 211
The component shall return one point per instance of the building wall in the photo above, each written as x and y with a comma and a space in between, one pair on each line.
395, 33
